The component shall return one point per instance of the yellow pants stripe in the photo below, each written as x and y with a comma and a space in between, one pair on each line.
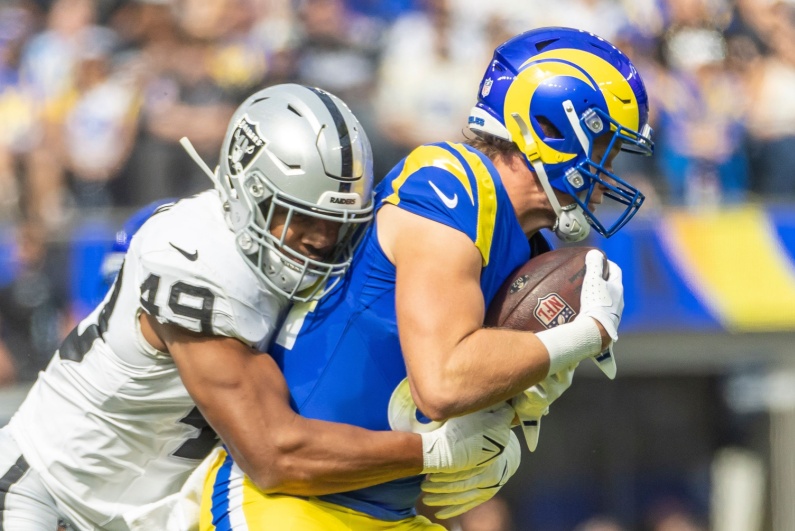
230, 502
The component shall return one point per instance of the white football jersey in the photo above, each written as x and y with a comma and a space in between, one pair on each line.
109, 424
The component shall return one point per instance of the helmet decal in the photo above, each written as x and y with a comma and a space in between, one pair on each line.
345, 149
617, 93
486, 87
245, 146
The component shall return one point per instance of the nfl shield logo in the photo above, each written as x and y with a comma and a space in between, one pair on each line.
487, 87
244, 146
552, 311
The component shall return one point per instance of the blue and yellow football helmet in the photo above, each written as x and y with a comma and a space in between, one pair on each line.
553, 92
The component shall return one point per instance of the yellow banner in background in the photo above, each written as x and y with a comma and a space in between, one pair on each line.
734, 262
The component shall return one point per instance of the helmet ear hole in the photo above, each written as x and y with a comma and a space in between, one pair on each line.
548, 128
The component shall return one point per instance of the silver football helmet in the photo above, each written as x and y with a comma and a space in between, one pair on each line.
302, 151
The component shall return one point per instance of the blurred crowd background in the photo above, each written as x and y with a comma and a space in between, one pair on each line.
95, 94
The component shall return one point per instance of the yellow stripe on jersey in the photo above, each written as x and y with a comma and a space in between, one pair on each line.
487, 201
438, 157
735, 260
427, 157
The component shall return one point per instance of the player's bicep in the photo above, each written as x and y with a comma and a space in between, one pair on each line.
241, 392
439, 301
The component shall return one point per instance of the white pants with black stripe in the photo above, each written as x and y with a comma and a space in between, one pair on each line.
25, 505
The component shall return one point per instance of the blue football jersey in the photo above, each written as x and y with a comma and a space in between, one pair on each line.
341, 356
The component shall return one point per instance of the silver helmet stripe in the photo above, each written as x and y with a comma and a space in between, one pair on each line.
346, 150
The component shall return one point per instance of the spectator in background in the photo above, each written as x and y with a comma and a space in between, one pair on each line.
431, 62
702, 118
196, 60
100, 124
275, 31
34, 312
48, 70
603, 17
17, 110
771, 80
339, 50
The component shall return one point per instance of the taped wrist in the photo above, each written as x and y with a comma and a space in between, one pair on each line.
571, 343
436, 453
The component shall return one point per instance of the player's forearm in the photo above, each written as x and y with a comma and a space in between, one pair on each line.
486, 367
314, 457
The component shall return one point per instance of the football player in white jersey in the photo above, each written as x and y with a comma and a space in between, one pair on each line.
131, 402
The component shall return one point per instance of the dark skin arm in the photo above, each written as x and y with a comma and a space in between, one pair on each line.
244, 397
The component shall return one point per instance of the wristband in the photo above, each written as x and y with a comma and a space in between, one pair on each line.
571, 343
436, 456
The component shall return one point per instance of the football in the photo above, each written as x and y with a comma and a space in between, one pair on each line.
542, 293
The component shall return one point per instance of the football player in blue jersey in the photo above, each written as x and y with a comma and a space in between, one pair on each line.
399, 343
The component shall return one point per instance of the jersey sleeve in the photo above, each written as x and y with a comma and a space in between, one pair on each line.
197, 280
448, 184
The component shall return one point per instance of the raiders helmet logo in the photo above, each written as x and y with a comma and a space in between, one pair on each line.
244, 146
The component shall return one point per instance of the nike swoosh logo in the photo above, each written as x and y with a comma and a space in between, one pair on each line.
449, 202
501, 481
190, 256
500, 448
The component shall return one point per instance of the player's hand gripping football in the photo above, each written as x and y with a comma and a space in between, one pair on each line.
458, 492
469, 441
602, 299
534, 403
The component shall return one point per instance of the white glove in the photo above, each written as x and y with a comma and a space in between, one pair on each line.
534, 403
603, 300
459, 492
468, 441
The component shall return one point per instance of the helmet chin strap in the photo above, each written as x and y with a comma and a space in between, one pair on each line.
285, 277
570, 223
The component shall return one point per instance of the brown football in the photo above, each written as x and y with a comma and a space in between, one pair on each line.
542, 293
